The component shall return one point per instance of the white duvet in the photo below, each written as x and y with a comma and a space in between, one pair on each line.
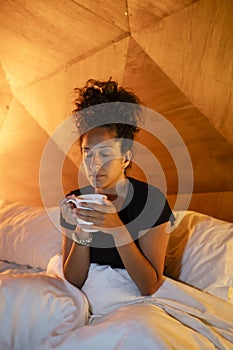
43, 311
177, 316
40, 310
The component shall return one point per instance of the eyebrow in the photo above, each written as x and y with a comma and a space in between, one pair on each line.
101, 147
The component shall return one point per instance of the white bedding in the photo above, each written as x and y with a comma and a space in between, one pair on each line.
8, 268
40, 310
177, 316
43, 311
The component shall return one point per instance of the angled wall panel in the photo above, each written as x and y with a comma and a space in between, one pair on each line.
22, 142
50, 100
194, 47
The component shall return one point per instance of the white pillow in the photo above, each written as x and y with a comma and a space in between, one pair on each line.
36, 307
29, 235
200, 253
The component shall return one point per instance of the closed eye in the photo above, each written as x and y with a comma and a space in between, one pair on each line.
106, 154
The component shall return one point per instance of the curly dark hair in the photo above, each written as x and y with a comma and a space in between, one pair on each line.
105, 104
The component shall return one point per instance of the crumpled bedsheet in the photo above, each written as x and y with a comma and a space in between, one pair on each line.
177, 316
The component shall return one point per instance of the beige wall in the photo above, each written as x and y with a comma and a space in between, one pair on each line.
176, 57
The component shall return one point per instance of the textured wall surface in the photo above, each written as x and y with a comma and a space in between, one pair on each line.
175, 55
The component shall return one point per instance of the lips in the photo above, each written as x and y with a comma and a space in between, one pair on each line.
97, 176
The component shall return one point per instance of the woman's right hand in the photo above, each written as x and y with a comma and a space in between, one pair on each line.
67, 211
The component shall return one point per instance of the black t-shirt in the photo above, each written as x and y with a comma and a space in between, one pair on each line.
145, 206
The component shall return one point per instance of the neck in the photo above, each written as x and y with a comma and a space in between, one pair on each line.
118, 191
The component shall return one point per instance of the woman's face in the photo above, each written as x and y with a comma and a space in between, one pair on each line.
103, 161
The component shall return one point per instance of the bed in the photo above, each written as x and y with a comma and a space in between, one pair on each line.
39, 309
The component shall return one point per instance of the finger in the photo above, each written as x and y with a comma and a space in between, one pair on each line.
62, 202
89, 215
71, 205
92, 206
106, 201
109, 206
70, 196
68, 214
104, 208
63, 209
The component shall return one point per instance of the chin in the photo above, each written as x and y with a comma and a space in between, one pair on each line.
100, 183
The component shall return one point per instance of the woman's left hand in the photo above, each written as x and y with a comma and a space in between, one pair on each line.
104, 217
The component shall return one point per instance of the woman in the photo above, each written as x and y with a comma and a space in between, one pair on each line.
131, 222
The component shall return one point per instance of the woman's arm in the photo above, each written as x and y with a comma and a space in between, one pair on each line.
146, 269
76, 260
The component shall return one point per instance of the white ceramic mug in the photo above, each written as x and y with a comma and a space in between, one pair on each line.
87, 198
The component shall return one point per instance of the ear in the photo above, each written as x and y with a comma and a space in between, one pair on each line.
127, 158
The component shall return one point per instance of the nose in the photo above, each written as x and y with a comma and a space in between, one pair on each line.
95, 161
